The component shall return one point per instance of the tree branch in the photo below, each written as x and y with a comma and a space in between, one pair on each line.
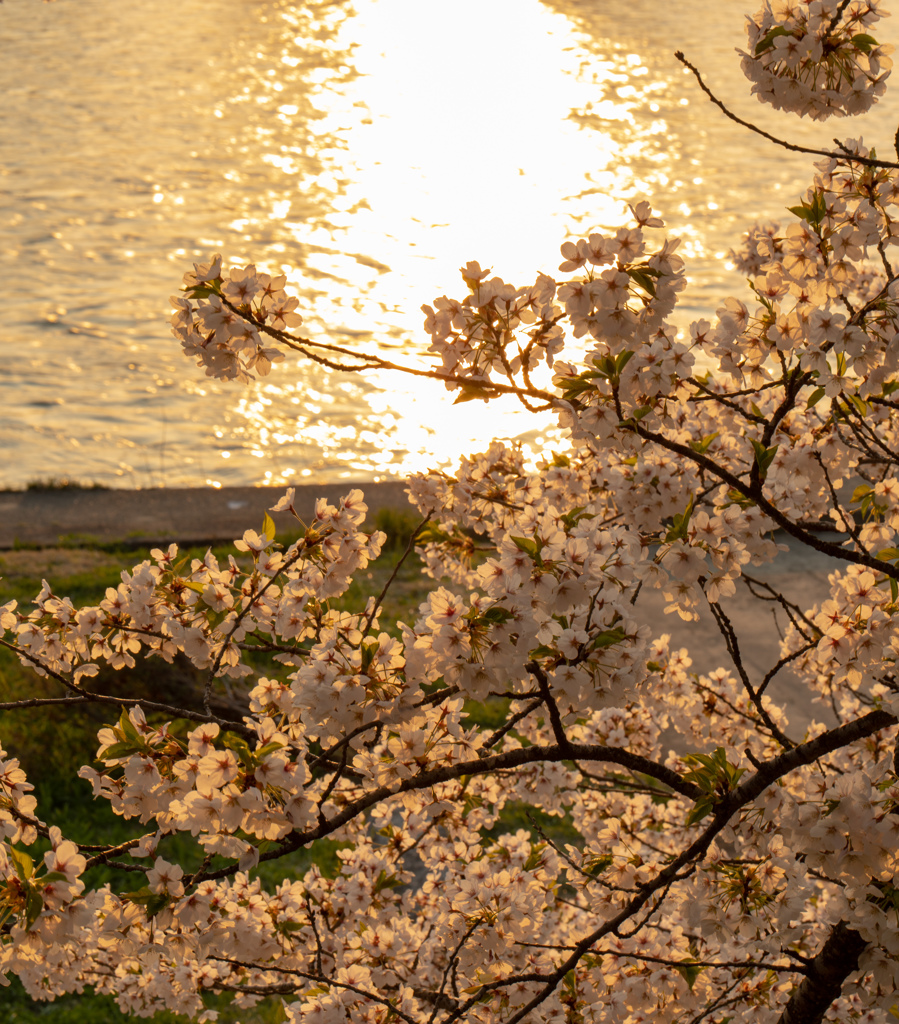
864, 160
824, 977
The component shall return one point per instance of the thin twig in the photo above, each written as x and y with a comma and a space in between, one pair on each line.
396, 569
866, 161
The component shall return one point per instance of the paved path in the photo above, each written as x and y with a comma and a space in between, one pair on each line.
801, 576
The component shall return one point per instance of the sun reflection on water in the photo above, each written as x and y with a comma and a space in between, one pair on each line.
438, 145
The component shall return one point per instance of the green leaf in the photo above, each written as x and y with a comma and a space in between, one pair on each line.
472, 392
239, 745
541, 652
385, 881
715, 776
269, 748
128, 730
813, 212
864, 42
119, 750
814, 398
158, 901
608, 638
23, 864
596, 865
573, 517
767, 40
432, 534
605, 368
534, 857
763, 456
203, 291
701, 809
575, 386
529, 547
680, 523
689, 971
610, 368
139, 896
643, 279
735, 497
638, 414
33, 907
367, 652
805, 212
52, 876
268, 527
495, 615
622, 359
151, 901
286, 927
701, 447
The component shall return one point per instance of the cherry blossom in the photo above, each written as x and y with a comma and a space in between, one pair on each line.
690, 852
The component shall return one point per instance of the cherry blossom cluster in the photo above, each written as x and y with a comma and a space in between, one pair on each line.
225, 343
622, 306
817, 58
541, 810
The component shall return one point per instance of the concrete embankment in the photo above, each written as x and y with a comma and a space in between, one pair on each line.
186, 515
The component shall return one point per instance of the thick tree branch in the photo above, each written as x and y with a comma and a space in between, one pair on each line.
824, 977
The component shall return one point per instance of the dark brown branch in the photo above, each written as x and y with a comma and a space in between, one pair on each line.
81, 696
555, 719
318, 979
495, 737
804, 754
484, 765
732, 643
491, 388
302, 547
824, 977
793, 529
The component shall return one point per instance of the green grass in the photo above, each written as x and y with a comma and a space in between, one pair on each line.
89, 1008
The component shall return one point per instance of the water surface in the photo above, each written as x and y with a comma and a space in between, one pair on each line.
367, 149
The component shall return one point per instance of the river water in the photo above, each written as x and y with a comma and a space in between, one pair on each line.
367, 149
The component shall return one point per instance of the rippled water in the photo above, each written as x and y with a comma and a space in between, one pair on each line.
366, 149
